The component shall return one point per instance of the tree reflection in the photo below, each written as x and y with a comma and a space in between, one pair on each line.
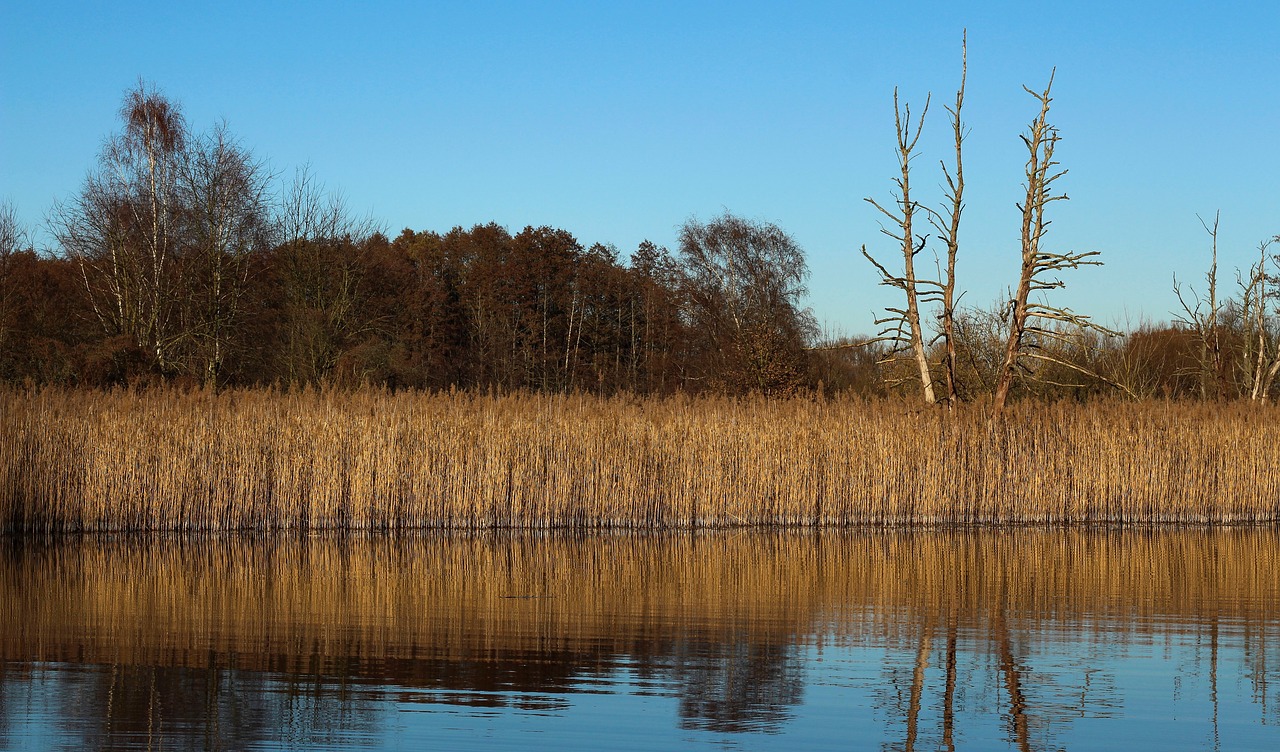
949, 692
1011, 670
5, 709
153, 707
917, 690
1012, 640
736, 686
937, 679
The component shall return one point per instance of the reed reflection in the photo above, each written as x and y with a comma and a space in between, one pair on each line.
322, 630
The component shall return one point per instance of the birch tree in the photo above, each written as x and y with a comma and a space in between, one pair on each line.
121, 229
745, 284
226, 194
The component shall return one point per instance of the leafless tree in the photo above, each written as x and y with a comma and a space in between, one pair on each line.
309, 213
1138, 364
1203, 317
13, 238
1031, 323
979, 339
1260, 353
322, 281
227, 221
902, 327
122, 227
948, 225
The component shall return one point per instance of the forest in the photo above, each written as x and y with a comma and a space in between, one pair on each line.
184, 259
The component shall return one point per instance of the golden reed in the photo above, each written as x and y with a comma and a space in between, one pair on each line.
172, 460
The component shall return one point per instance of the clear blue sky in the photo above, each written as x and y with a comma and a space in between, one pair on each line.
617, 121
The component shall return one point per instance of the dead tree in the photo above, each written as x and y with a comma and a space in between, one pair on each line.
1032, 323
1203, 318
902, 327
1262, 350
948, 225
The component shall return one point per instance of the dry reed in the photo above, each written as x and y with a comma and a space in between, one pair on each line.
170, 460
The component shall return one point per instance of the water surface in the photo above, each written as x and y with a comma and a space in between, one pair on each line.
986, 639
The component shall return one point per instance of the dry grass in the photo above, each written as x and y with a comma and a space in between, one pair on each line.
170, 460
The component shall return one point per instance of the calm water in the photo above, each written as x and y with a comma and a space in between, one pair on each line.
1024, 640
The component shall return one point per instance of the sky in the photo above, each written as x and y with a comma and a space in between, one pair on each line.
620, 121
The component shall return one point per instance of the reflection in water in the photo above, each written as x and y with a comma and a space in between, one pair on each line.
736, 686
112, 707
1027, 639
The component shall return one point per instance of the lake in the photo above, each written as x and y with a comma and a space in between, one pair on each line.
1021, 639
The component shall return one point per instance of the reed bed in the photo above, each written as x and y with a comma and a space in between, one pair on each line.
374, 460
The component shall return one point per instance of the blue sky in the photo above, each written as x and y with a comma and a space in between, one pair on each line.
618, 121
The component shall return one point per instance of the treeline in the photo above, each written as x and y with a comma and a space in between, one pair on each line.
183, 259
470, 308
179, 260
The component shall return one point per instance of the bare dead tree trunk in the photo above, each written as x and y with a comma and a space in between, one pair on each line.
1040, 145
903, 220
903, 328
1213, 340
951, 233
1026, 317
1269, 377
